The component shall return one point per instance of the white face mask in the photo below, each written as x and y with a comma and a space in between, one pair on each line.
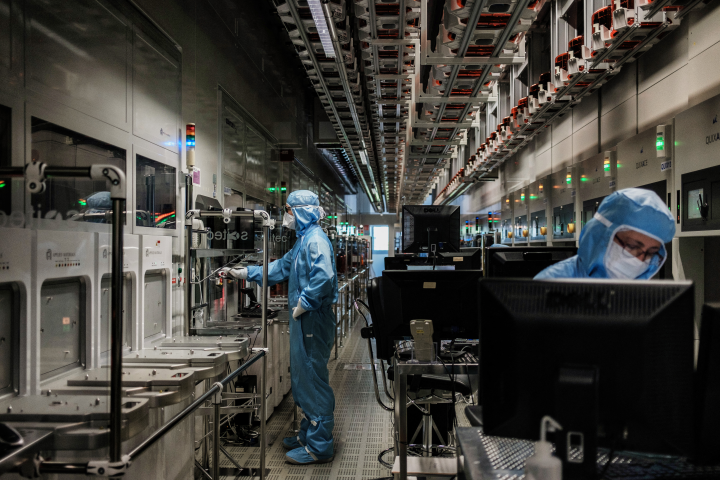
623, 265
289, 221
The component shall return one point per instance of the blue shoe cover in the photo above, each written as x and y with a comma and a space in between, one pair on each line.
291, 443
301, 456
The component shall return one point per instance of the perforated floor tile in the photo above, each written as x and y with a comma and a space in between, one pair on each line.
362, 428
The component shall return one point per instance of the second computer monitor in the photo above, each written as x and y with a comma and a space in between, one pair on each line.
524, 262
427, 225
448, 298
466, 259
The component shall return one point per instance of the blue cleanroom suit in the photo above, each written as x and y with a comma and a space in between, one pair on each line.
633, 208
310, 269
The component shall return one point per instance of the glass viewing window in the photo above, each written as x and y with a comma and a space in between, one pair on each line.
155, 185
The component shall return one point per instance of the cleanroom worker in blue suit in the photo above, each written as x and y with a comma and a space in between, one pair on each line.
313, 289
625, 240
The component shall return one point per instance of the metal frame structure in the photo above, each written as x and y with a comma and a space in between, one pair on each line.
35, 174
586, 76
354, 143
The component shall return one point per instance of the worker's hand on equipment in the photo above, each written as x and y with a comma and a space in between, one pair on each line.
299, 310
240, 273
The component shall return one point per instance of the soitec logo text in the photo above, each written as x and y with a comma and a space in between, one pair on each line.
225, 235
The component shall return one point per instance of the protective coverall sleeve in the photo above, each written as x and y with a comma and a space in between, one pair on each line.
320, 275
565, 269
279, 271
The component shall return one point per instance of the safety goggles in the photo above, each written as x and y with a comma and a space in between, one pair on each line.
637, 251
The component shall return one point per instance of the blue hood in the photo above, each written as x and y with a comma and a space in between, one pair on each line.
633, 208
305, 216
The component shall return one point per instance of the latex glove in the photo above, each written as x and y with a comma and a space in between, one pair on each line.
240, 273
299, 310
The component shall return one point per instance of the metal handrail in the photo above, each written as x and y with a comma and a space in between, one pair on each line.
192, 407
82, 468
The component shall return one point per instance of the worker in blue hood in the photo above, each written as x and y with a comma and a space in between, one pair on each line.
625, 239
313, 290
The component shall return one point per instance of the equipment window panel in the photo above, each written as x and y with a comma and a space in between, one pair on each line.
5, 158
75, 199
9, 319
154, 318
62, 326
233, 142
155, 193
538, 222
694, 197
255, 158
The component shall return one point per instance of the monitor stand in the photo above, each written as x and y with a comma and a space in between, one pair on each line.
576, 409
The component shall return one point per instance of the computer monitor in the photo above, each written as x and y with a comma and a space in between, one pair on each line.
401, 260
523, 262
469, 258
611, 361
445, 297
426, 225
466, 259
707, 388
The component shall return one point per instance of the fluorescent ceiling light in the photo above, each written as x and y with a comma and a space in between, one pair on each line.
363, 157
322, 28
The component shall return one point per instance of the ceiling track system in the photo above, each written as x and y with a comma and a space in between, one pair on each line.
322, 35
476, 41
620, 35
365, 61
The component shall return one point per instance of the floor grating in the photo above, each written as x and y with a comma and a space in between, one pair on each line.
362, 428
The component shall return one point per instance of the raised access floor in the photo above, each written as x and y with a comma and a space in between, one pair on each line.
362, 428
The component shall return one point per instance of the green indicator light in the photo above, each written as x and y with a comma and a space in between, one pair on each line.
2, 183
583, 179
283, 189
660, 144
82, 202
272, 189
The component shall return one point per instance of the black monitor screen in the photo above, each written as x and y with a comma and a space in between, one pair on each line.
466, 259
636, 338
524, 262
424, 225
448, 298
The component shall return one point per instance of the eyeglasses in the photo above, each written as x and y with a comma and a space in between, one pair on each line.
288, 210
636, 250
